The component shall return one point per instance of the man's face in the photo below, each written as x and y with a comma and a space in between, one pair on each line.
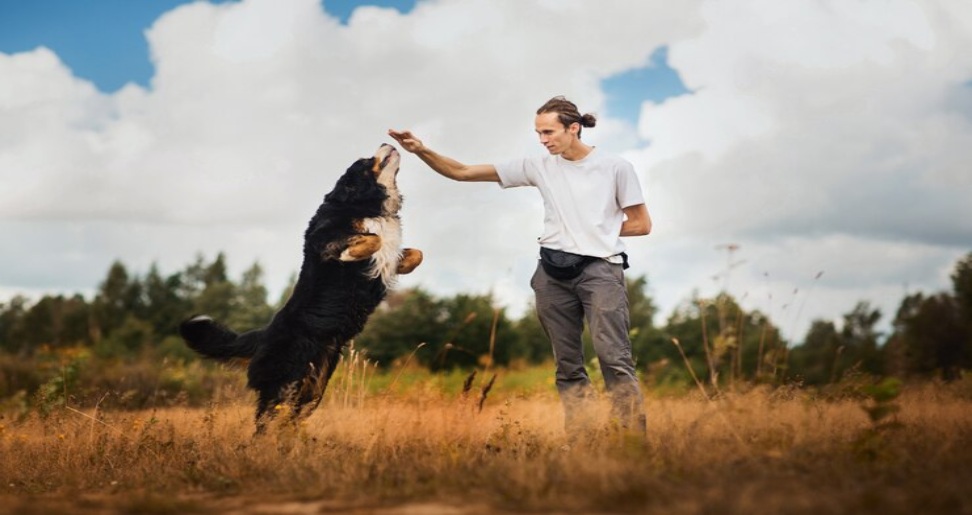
553, 134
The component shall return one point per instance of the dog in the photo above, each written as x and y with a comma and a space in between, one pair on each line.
352, 256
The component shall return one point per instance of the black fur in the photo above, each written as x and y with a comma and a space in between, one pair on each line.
294, 356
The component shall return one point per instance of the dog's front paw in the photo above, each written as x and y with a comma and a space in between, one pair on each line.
360, 246
411, 258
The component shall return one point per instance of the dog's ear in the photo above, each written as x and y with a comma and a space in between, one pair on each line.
341, 194
358, 183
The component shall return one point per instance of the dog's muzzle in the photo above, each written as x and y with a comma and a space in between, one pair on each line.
387, 158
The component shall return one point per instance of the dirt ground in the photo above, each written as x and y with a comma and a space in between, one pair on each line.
237, 505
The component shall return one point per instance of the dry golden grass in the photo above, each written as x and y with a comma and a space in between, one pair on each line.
756, 452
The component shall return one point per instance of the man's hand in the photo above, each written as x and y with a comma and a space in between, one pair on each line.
407, 140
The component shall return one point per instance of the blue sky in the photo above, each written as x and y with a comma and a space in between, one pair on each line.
809, 126
103, 41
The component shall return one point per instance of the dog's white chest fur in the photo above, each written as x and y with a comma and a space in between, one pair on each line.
385, 261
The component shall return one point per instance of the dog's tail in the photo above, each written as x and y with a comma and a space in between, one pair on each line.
216, 341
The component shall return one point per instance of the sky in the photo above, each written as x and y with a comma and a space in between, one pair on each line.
802, 155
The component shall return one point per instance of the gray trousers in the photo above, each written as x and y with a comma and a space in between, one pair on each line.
599, 296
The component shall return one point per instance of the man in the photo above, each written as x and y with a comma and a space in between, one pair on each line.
590, 200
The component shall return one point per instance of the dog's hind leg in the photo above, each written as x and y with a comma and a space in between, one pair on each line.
266, 409
311, 390
285, 402
411, 258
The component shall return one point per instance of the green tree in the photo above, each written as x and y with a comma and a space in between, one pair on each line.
763, 352
530, 342
53, 320
57, 321
685, 324
648, 343
215, 273
815, 362
962, 286
641, 306
250, 308
721, 340
457, 332
860, 339
469, 323
13, 335
165, 307
210, 289
118, 296
127, 340
897, 355
407, 319
962, 289
40, 323
934, 335
827, 353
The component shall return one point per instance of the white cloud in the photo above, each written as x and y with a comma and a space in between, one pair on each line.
837, 132
819, 135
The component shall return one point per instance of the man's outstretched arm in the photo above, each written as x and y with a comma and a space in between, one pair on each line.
445, 166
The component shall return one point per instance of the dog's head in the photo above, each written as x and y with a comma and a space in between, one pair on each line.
385, 165
369, 180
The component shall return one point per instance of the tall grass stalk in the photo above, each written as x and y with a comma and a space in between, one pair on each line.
492, 338
405, 365
710, 361
688, 366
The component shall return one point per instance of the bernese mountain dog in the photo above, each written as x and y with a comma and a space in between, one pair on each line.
352, 256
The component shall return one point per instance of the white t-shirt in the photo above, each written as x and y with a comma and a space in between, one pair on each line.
582, 200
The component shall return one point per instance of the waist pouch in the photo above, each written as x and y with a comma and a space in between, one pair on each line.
563, 265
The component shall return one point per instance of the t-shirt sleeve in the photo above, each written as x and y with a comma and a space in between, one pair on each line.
629, 188
514, 173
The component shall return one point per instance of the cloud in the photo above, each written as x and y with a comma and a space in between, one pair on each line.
832, 133
819, 117
812, 128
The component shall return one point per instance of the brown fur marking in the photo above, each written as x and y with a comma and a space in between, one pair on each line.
361, 246
411, 258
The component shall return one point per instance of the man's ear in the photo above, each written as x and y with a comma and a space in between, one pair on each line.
574, 128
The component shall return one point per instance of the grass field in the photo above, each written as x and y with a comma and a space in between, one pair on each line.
420, 447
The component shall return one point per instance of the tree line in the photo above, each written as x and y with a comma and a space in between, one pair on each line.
711, 340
